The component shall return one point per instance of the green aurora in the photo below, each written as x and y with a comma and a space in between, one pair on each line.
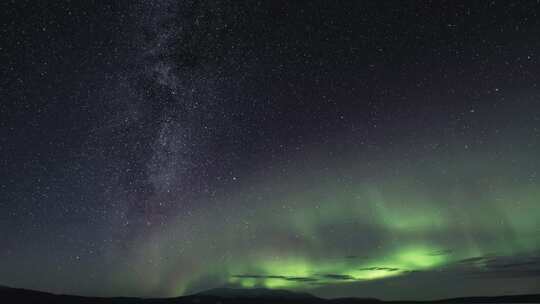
370, 149
348, 230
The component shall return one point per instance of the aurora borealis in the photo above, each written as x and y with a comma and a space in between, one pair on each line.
400, 226
361, 149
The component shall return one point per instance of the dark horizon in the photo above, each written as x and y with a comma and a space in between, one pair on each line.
238, 295
381, 149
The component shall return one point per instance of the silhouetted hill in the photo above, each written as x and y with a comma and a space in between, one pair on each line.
233, 296
256, 293
19, 295
532, 298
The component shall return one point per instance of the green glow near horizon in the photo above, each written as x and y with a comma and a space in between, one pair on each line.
389, 227
400, 262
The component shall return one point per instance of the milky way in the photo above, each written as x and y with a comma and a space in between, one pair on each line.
367, 149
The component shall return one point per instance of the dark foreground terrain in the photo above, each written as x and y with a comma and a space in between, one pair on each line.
230, 296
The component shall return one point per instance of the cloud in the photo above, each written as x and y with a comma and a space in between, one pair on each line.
254, 276
311, 279
338, 276
516, 265
302, 279
495, 266
473, 268
477, 259
281, 277
508, 266
441, 252
380, 268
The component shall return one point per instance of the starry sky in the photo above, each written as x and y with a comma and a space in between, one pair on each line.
356, 148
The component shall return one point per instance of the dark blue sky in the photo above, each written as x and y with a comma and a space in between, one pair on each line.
345, 149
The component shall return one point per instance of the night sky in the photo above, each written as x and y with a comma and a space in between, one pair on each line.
383, 149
